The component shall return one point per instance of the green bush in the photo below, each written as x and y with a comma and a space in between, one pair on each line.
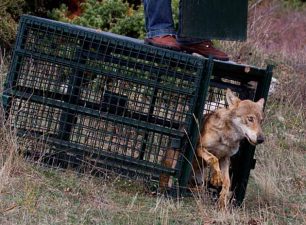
117, 16
9, 12
135, 3
108, 15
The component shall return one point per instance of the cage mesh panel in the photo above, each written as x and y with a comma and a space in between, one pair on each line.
43, 75
216, 96
95, 99
35, 117
108, 136
123, 84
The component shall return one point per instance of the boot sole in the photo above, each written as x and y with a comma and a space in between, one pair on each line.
164, 46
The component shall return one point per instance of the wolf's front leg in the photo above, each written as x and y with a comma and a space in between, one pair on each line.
223, 199
169, 161
213, 162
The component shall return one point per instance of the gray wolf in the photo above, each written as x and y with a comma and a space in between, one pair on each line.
220, 137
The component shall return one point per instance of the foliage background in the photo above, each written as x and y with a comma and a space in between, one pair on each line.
117, 16
123, 17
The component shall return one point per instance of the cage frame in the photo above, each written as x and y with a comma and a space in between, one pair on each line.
211, 74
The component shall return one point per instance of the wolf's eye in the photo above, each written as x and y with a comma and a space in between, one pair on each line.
251, 119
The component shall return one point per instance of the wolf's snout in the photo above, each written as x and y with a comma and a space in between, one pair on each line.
260, 139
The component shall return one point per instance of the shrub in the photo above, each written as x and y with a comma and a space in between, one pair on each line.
108, 15
117, 16
9, 11
123, 17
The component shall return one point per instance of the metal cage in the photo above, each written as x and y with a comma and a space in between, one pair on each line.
87, 99
93, 99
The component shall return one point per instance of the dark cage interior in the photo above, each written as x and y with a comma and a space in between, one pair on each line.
87, 99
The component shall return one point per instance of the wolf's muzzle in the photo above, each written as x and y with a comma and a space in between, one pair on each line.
260, 139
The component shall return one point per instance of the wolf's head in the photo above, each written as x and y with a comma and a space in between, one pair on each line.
247, 117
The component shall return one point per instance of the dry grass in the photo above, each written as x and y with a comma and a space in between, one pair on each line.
8, 140
276, 193
277, 188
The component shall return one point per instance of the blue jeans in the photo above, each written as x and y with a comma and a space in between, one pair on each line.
159, 21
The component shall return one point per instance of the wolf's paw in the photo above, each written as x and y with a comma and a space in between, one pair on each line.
222, 203
223, 199
216, 179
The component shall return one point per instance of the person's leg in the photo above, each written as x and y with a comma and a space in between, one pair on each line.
158, 18
197, 45
161, 33
159, 24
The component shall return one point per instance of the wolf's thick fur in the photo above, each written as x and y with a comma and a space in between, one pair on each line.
220, 137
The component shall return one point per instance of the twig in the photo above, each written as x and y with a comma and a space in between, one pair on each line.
10, 208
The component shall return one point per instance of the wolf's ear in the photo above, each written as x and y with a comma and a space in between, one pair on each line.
231, 99
261, 103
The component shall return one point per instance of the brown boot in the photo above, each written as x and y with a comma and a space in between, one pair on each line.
205, 48
167, 41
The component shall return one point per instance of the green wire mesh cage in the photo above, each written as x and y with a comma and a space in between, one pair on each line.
90, 100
